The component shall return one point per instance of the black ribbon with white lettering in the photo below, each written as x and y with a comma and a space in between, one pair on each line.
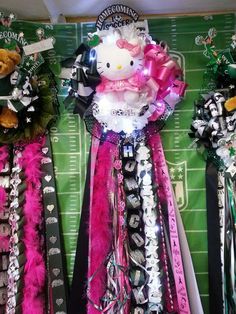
57, 285
135, 227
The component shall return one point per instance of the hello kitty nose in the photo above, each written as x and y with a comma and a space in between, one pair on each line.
119, 67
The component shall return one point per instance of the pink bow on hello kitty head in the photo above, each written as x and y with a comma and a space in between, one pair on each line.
133, 49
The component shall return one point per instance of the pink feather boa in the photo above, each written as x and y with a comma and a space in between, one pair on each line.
100, 231
3, 199
4, 243
3, 156
34, 270
4, 240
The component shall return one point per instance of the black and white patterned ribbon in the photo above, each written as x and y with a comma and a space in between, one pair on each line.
151, 228
16, 221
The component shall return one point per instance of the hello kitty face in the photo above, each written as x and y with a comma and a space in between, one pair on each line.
119, 60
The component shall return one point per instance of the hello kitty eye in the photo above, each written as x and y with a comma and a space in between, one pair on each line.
108, 65
131, 62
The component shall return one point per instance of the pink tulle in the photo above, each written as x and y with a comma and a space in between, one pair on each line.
34, 270
100, 225
3, 199
3, 156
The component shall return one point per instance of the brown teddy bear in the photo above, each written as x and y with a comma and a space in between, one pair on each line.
8, 62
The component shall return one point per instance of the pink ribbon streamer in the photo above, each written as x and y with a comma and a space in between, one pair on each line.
94, 151
100, 233
162, 177
121, 240
4, 156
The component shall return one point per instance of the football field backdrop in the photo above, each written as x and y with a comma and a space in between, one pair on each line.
71, 141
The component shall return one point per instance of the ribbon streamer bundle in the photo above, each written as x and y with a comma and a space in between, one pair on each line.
125, 85
213, 127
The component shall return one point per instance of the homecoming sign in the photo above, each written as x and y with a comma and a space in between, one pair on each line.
115, 16
10, 35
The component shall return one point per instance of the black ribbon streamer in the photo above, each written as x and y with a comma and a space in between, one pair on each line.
57, 285
214, 247
230, 239
78, 300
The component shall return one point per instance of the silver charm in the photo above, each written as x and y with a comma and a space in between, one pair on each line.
56, 271
46, 160
53, 239
45, 150
51, 220
57, 283
59, 302
138, 310
48, 178
4, 182
48, 189
50, 207
54, 251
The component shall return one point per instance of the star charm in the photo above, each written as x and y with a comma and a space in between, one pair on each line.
40, 31
28, 120
12, 16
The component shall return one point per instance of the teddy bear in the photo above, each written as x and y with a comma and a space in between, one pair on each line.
8, 62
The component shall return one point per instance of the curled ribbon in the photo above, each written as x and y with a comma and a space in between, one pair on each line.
163, 70
212, 122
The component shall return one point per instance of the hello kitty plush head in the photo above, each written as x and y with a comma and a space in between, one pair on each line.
119, 57
118, 61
